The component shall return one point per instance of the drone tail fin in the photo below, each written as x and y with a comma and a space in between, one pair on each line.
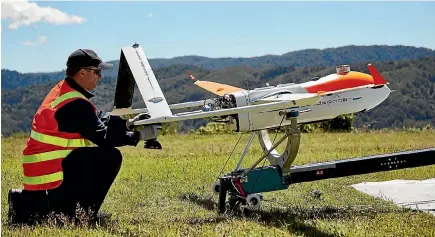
134, 65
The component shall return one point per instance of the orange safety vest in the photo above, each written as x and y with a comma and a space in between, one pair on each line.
47, 146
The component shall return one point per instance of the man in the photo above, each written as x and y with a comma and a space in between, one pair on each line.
70, 159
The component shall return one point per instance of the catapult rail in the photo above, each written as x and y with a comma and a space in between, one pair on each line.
361, 165
271, 178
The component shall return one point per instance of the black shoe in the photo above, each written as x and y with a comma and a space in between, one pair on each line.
27, 207
152, 144
13, 202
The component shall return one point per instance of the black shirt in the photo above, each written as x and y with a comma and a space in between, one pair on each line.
78, 116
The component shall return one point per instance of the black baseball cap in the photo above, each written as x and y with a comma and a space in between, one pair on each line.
86, 58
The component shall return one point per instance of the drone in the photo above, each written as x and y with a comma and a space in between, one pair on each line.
259, 110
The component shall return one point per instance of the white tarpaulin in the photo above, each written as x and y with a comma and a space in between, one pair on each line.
414, 194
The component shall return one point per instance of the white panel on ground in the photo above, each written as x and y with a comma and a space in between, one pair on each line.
414, 194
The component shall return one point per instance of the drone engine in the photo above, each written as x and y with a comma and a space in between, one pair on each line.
226, 101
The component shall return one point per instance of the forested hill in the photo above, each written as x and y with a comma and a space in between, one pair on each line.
309, 57
412, 104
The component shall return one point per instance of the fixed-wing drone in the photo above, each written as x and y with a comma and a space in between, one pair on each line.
320, 99
261, 109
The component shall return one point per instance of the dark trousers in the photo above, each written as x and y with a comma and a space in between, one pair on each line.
88, 173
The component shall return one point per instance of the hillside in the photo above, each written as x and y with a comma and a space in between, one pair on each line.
412, 104
309, 57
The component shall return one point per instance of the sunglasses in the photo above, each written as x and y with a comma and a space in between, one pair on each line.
95, 70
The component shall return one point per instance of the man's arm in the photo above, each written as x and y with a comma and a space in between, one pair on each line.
78, 116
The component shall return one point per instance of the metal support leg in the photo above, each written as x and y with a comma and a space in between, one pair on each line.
245, 151
264, 156
224, 183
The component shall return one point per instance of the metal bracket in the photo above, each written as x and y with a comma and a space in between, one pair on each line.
285, 159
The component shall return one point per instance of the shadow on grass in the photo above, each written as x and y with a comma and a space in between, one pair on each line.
205, 202
62, 221
289, 218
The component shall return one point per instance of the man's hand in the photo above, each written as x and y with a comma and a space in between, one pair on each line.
130, 122
148, 132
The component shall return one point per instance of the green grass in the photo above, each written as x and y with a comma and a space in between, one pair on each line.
167, 192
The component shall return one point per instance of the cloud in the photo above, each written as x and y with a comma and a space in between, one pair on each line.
41, 40
150, 14
28, 43
21, 12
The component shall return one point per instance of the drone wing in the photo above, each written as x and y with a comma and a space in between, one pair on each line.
213, 87
217, 88
222, 112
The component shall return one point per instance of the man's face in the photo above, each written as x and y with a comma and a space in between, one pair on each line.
90, 77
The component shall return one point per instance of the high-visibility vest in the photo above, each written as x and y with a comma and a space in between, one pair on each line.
47, 146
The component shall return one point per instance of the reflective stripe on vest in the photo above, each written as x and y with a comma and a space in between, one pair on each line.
43, 179
68, 143
59, 141
51, 155
69, 95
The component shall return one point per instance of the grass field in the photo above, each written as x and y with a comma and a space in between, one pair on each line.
167, 192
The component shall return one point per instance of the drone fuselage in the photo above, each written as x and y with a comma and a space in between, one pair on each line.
342, 101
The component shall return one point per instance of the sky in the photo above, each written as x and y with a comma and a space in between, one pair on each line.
39, 36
